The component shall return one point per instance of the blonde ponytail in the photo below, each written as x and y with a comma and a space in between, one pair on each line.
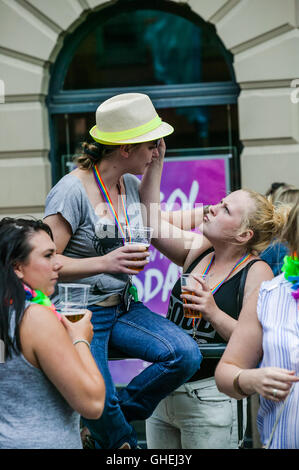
265, 220
93, 153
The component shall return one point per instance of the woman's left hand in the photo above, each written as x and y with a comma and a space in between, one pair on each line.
202, 299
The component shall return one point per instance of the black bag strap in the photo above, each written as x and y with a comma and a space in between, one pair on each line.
243, 282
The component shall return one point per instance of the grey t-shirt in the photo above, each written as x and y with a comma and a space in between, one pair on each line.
33, 413
91, 235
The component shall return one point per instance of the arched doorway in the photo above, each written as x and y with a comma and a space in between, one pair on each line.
159, 48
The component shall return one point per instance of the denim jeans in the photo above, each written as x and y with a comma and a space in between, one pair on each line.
142, 334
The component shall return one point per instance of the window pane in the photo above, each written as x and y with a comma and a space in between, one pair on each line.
145, 48
195, 127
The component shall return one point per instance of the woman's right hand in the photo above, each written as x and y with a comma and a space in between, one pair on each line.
273, 383
127, 259
81, 329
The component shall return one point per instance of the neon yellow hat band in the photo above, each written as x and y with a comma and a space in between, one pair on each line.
127, 134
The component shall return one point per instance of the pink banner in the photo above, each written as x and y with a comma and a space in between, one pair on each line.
184, 184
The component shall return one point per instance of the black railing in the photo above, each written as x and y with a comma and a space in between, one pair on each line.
209, 351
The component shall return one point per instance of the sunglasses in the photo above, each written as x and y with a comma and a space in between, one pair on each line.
157, 143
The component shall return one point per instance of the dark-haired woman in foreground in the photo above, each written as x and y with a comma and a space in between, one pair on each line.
49, 376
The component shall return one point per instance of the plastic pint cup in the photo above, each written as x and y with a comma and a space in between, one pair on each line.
140, 237
73, 300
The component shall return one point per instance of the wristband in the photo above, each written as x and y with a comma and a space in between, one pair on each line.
236, 384
81, 341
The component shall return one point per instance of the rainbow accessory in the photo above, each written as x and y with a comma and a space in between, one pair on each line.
38, 297
104, 191
235, 267
291, 273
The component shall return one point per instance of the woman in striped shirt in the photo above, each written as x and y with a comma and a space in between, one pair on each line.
267, 336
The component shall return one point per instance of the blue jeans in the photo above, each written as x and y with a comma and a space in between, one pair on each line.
142, 334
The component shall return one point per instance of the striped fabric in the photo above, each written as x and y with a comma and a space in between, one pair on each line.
279, 317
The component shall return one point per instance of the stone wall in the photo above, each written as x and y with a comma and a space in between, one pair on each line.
263, 35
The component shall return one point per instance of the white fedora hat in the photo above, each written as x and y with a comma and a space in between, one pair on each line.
128, 118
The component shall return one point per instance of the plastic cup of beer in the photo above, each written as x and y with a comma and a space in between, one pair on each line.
188, 281
73, 300
141, 237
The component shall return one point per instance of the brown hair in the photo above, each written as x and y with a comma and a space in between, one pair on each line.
93, 153
266, 221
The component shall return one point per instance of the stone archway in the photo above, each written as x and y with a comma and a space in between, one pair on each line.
263, 35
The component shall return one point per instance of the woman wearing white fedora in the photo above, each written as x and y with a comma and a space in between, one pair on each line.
87, 211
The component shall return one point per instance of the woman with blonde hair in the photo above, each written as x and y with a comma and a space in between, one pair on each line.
224, 261
262, 355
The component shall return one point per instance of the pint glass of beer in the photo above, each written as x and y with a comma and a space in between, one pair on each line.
188, 281
140, 236
73, 300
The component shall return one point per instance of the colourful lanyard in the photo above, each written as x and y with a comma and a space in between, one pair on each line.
104, 191
236, 266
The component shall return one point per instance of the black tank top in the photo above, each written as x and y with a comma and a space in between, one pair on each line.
226, 298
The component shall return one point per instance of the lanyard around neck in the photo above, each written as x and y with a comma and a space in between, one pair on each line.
234, 268
106, 196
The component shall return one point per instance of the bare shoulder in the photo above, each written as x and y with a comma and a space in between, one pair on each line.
257, 273
260, 268
37, 318
38, 325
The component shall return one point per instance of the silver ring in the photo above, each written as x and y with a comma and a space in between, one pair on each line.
274, 392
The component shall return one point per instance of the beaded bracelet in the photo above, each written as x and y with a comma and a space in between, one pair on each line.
81, 341
236, 384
